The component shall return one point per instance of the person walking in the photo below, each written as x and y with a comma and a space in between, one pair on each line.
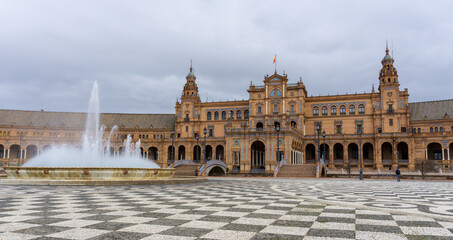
398, 174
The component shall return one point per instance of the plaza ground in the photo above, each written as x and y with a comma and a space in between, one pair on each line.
232, 208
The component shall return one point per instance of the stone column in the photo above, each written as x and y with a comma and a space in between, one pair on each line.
443, 154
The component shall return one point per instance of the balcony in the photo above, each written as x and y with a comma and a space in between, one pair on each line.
390, 111
186, 119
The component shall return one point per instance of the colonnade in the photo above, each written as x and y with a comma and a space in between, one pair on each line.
297, 157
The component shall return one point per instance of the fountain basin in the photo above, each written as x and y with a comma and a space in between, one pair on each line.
83, 173
93, 176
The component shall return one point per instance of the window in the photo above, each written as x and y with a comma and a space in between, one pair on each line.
419, 130
436, 129
441, 129
379, 130
351, 109
239, 114
390, 122
231, 114
361, 109
390, 108
276, 93
403, 129
359, 128
333, 110
337, 127
259, 109
437, 155
275, 109
187, 128
211, 132
315, 111
342, 110
324, 111
431, 129
209, 116
318, 124
246, 114
223, 115
292, 108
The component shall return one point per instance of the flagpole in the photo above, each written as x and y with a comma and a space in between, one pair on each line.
275, 63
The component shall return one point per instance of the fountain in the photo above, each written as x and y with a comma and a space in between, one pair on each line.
93, 163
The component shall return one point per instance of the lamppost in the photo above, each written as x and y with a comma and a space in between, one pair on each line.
360, 151
205, 131
172, 147
197, 151
318, 131
20, 150
277, 128
324, 146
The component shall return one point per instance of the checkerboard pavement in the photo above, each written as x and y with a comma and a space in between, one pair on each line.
219, 209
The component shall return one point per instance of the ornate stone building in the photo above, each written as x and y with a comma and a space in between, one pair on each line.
381, 128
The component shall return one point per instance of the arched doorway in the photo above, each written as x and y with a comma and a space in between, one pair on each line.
2, 151
171, 154
196, 153
219, 153
387, 154
353, 154
259, 126
258, 156
32, 151
402, 153
310, 153
153, 153
338, 154
208, 152
325, 152
46, 148
293, 124
181, 152
434, 151
14, 151
368, 154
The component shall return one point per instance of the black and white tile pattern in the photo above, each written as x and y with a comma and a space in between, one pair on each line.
229, 208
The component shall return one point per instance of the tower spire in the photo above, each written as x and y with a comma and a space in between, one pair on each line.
190, 65
386, 47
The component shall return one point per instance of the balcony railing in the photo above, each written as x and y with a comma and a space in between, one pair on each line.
391, 110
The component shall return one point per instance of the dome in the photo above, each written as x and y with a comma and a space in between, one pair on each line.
387, 57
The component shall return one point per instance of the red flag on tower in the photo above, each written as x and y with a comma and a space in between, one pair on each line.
275, 58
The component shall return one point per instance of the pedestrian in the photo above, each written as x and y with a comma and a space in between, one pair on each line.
196, 172
398, 174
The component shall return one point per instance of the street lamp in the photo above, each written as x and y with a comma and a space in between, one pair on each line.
172, 147
318, 131
360, 151
277, 128
324, 147
205, 131
197, 151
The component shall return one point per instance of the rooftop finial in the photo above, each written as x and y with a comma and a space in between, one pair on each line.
190, 65
386, 47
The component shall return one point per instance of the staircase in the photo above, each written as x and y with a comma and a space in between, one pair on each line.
297, 170
186, 170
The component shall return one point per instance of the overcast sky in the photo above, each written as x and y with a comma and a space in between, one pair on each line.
51, 52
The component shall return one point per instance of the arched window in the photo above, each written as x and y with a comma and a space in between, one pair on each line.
239, 114
276, 93
342, 110
333, 110
209, 116
351, 109
361, 109
246, 114
324, 110
436, 129
441, 129
275, 109
231, 114
315, 111
223, 115
431, 129
419, 130
216, 115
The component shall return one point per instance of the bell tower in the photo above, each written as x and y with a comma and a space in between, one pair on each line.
190, 90
388, 76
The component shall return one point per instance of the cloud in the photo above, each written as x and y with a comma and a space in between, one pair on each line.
139, 52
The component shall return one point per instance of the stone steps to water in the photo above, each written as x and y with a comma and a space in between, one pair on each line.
297, 170
186, 170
